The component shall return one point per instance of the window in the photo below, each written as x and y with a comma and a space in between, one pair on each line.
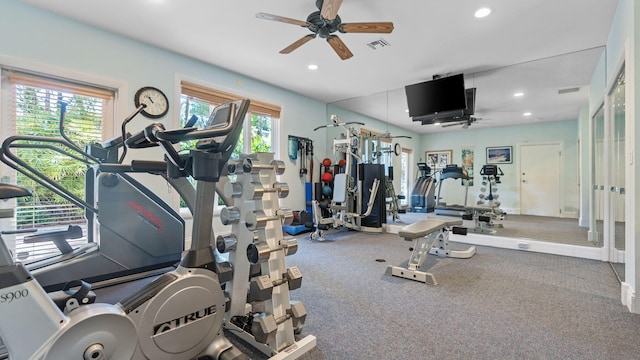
405, 176
257, 134
260, 124
33, 108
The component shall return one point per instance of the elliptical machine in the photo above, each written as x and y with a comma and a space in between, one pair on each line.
177, 316
131, 232
423, 197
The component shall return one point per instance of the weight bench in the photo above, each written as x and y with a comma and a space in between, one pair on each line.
426, 233
482, 216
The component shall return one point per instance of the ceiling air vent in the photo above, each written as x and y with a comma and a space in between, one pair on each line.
380, 43
568, 90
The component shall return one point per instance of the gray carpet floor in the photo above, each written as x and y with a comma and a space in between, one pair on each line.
500, 304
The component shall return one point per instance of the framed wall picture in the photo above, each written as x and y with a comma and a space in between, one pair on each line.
438, 159
500, 155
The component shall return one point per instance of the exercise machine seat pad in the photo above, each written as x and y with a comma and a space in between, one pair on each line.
425, 227
340, 188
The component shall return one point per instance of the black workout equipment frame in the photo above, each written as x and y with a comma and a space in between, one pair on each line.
178, 316
138, 233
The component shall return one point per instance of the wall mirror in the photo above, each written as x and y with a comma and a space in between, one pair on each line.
556, 90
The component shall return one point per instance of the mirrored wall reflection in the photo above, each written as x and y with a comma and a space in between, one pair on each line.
598, 196
617, 188
554, 90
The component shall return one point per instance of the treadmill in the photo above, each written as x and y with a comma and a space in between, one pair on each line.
449, 173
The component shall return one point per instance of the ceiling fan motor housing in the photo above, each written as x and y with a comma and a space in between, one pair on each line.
322, 26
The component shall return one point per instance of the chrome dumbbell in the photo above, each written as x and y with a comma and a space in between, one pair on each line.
255, 190
250, 166
230, 215
226, 242
255, 220
233, 189
259, 252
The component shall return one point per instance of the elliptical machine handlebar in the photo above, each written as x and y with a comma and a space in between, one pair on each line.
137, 166
220, 134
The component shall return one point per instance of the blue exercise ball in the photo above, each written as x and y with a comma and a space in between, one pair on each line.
326, 190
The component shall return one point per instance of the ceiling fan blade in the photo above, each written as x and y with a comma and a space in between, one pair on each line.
339, 47
367, 27
282, 19
330, 8
303, 40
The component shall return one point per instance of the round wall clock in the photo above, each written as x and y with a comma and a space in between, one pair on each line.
155, 101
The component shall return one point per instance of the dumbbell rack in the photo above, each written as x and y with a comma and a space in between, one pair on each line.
496, 215
268, 322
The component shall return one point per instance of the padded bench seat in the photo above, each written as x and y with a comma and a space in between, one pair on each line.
429, 239
490, 207
425, 227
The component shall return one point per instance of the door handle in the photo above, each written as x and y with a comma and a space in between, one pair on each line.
617, 189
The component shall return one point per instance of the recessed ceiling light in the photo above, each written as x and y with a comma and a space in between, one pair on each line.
436, 124
482, 12
313, 67
527, 114
518, 94
406, 110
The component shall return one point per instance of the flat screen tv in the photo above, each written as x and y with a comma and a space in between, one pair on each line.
436, 96
453, 115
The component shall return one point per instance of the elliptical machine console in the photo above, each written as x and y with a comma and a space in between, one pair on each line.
177, 316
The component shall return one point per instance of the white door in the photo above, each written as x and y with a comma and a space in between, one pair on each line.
540, 179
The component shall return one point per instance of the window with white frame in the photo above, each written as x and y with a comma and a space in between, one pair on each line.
258, 133
32, 106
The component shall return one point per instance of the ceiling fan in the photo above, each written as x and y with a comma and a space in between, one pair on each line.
324, 23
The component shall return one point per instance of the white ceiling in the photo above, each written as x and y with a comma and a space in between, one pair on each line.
534, 46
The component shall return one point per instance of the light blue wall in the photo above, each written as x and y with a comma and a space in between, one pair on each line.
565, 132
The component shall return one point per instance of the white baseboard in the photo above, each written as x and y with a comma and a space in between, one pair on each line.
628, 297
569, 214
545, 247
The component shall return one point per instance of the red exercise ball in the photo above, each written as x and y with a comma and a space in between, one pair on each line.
342, 162
326, 162
326, 177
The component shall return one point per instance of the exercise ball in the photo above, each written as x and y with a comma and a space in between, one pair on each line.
326, 190
326, 162
342, 162
326, 177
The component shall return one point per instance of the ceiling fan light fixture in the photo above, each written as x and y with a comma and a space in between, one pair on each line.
482, 12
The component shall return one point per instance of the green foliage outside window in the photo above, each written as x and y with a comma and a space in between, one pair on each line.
38, 114
260, 125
